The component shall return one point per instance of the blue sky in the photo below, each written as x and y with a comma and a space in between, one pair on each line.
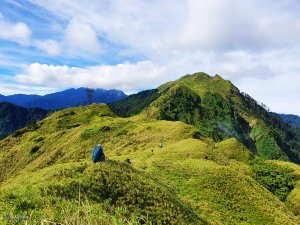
50, 45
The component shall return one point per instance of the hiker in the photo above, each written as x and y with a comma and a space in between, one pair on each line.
161, 142
98, 154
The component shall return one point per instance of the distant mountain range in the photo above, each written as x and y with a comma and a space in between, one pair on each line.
292, 120
64, 99
20, 110
14, 117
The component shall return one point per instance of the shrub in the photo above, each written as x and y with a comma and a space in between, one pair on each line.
19, 132
90, 132
71, 113
39, 139
33, 127
278, 180
73, 125
34, 149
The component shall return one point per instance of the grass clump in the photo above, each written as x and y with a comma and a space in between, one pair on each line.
90, 132
87, 214
34, 149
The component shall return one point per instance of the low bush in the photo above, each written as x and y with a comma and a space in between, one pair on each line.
278, 180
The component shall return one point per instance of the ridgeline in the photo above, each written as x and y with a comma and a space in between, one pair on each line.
224, 160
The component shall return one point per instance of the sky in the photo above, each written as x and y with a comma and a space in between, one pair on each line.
133, 45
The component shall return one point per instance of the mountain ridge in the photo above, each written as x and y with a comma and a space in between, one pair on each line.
293, 120
176, 142
203, 176
219, 110
68, 98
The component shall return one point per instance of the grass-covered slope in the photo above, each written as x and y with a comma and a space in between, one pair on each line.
219, 111
46, 173
70, 134
58, 192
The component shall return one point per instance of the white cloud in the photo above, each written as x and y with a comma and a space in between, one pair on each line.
244, 41
9, 87
82, 36
51, 47
20, 33
212, 25
281, 93
17, 32
126, 76
185, 24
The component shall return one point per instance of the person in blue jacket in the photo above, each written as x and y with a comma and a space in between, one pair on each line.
98, 154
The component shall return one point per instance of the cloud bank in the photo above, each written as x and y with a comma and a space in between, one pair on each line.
124, 76
134, 45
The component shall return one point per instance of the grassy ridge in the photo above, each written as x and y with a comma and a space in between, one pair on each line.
219, 111
192, 179
107, 186
196, 179
215, 181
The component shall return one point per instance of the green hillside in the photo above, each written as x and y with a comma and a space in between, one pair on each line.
211, 168
219, 111
46, 173
14, 117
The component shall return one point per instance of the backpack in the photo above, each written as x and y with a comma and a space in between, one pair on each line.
98, 154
